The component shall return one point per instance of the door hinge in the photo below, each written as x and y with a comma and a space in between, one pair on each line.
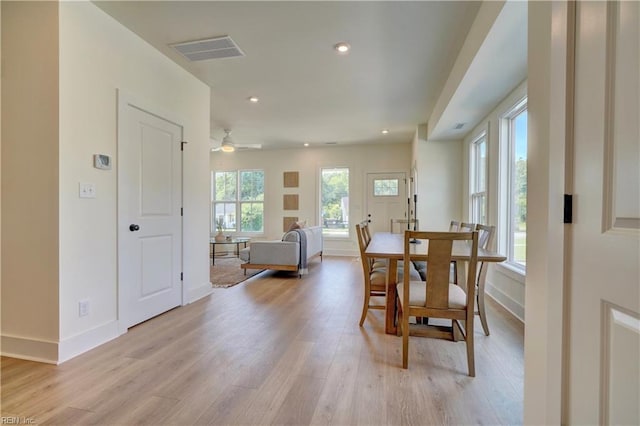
181, 276
181, 211
568, 208
182, 144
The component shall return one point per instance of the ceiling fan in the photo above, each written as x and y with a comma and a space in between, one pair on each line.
228, 145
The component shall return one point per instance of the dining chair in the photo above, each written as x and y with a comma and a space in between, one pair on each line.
398, 226
454, 226
486, 234
374, 277
435, 296
462, 227
367, 233
467, 227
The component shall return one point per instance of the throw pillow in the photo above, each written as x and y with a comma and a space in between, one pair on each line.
293, 226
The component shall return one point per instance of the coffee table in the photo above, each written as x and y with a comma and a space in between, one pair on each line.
237, 241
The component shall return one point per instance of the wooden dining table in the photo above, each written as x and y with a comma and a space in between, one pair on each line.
385, 245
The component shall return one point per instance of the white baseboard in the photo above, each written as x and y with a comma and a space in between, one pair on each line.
507, 302
30, 349
83, 342
199, 292
340, 252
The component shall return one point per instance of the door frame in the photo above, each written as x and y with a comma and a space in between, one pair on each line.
551, 32
124, 100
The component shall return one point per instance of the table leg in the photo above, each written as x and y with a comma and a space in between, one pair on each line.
213, 254
390, 311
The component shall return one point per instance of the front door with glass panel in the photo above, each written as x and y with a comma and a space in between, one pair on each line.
386, 199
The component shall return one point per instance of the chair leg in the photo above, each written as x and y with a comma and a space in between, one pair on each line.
405, 339
365, 306
481, 309
470, 353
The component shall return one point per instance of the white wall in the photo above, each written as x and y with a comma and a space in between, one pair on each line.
30, 178
503, 284
59, 249
439, 166
98, 56
308, 161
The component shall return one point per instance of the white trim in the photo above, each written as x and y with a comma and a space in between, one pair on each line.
340, 252
30, 349
83, 342
508, 270
199, 292
506, 301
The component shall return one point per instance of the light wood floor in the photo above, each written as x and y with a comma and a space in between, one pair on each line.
276, 350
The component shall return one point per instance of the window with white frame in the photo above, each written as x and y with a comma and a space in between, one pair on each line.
514, 172
478, 179
334, 190
238, 201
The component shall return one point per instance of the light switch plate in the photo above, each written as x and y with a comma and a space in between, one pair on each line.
87, 190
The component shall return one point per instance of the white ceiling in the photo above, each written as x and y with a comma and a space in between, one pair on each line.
402, 53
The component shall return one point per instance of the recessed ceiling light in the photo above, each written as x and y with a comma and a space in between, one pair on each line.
342, 47
385, 131
254, 99
306, 144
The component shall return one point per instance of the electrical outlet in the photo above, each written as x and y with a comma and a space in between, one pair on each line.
83, 308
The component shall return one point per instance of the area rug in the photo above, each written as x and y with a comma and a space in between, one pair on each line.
227, 272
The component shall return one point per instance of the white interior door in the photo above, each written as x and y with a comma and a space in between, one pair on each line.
386, 199
149, 215
604, 337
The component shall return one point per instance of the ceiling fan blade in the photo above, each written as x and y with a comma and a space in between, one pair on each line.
249, 146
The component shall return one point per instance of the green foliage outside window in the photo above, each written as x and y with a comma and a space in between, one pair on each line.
335, 201
239, 193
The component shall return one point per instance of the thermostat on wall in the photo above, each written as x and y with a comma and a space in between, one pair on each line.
101, 161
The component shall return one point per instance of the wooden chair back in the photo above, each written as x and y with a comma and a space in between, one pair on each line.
486, 236
467, 227
398, 226
363, 242
436, 297
374, 280
364, 226
454, 226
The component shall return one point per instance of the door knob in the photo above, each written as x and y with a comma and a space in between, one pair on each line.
133, 227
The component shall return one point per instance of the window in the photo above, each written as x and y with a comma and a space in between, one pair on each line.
238, 201
385, 187
478, 179
334, 190
515, 172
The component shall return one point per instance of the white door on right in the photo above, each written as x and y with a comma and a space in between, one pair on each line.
604, 335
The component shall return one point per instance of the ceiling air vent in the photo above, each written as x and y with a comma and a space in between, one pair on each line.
212, 48
458, 126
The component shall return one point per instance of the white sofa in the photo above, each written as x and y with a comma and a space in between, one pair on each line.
288, 254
